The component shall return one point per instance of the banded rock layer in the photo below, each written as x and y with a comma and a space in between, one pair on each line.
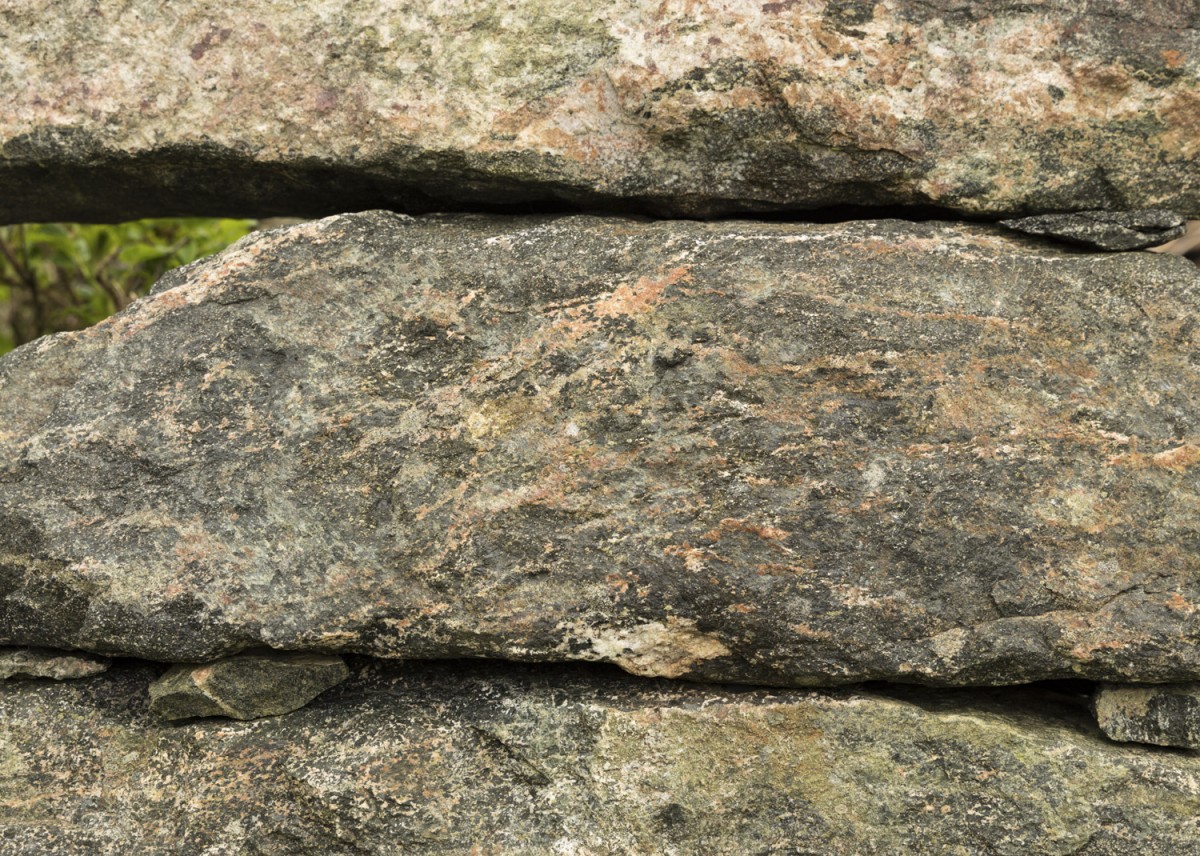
750, 452
990, 107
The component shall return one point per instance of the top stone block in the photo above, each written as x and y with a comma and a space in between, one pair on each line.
140, 108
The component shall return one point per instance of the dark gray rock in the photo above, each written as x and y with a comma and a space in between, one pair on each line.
47, 663
247, 686
439, 758
750, 452
261, 108
1162, 714
1114, 231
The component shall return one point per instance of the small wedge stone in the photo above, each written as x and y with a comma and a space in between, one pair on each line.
246, 686
48, 663
1115, 231
1161, 714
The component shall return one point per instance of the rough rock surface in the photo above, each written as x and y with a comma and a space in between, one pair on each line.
247, 686
116, 110
47, 663
440, 758
1115, 231
751, 452
1162, 714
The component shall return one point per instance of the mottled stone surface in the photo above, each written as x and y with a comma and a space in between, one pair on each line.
1162, 714
750, 452
137, 108
448, 758
246, 686
48, 663
1115, 231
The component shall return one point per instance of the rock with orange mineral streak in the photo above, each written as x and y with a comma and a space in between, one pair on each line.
757, 452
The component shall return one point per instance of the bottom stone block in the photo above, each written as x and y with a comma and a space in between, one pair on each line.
248, 686
455, 757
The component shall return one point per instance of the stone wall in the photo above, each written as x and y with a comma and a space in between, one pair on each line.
877, 502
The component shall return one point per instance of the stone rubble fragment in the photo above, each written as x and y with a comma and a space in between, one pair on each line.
755, 452
1114, 231
247, 686
48, 663
1161, 714
260, 108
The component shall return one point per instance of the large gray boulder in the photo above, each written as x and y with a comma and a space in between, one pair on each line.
740, 451
118, 110
443, 758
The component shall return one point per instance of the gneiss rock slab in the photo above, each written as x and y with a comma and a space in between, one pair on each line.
47, 663
1105, 230
1163, 714
247, 686
436, 758
116, 111
740, 451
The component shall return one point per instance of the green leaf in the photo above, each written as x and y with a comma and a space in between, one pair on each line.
65, 259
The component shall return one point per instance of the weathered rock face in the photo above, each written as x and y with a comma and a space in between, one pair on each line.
990, 107
246, 686
437, 759
745, 452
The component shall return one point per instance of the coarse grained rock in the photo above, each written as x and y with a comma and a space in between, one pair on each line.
989, 107
769, 453
1116, 231
1161, 714
245, 686
441, 758
47, 663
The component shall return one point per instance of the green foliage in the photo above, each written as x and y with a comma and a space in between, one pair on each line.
56, 277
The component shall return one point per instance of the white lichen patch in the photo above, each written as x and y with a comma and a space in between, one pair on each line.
949, 644
652, 650
1080, 508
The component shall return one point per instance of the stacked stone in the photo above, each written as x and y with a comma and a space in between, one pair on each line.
770, 459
